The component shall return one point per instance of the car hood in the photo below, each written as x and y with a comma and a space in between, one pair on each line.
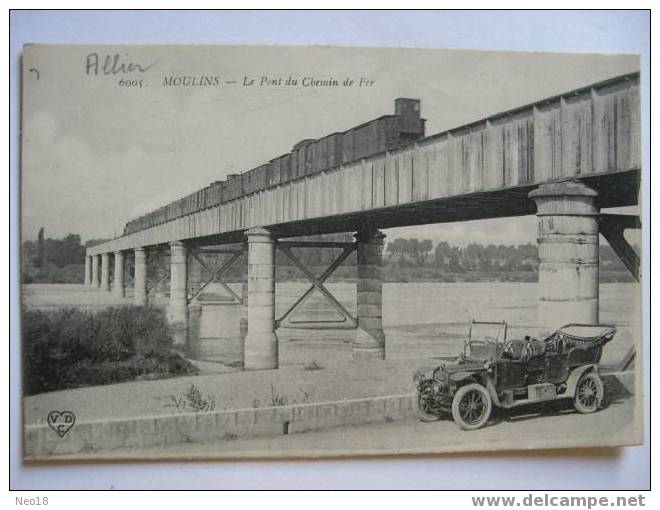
451, 367
424, 373
460, 366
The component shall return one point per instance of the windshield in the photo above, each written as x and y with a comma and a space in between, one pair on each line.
481, 332
484, 339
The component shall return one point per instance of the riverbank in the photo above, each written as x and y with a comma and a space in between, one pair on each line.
392, 273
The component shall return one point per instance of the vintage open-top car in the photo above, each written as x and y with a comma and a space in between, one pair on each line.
494, 371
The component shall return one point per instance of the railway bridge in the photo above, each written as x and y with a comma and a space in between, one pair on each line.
564, 159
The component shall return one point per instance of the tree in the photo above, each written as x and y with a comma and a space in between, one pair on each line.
425, 247
471, 256
442, 255
41, 249
63, 252
398, 247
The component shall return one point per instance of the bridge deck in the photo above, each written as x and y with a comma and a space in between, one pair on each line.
482, 170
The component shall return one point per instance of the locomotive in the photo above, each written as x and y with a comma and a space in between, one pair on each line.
306, 158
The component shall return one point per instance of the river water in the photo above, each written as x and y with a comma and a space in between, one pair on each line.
420, 319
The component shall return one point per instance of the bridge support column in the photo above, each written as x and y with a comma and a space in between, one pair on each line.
568, 254
370, 339
140, 277
261, 349
88, 270
177, 313
118, 289
95, 270
244, 307
194, 330
105, 272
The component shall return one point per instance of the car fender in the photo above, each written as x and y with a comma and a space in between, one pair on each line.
493, 393
575, 375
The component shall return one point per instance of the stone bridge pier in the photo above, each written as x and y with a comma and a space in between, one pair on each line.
95, 282
261, 344
105, 272
568, 254
370, 338
177, 312
118, 288
88, 271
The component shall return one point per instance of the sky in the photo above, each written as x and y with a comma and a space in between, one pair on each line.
96, 153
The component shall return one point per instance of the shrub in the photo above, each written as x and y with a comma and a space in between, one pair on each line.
69, 348
193, 400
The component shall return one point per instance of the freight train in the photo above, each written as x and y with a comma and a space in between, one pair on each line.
307, 157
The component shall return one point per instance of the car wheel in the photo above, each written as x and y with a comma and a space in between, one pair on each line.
589, 393
471, 406
424, 404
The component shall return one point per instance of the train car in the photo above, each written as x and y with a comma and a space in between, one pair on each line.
390, 133
261, 176
320, 155
293, 170
301, 152
195, 201
215, 193
249, 179
192, 203
199, 198
280, 170
334, 150
377, 136
286, 167
364, 140
190, 199
302, 161
186, 206
310, 151
273, 176
256, 179
348, 146
205, 199
233, 188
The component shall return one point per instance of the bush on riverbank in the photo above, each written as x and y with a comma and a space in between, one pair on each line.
70, 348
71, 273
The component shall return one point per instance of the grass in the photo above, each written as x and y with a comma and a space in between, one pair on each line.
278, 399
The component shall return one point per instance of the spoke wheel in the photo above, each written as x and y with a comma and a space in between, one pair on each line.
589, 393
471, 406
425, 404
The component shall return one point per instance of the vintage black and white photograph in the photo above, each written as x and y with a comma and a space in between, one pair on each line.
317, 251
